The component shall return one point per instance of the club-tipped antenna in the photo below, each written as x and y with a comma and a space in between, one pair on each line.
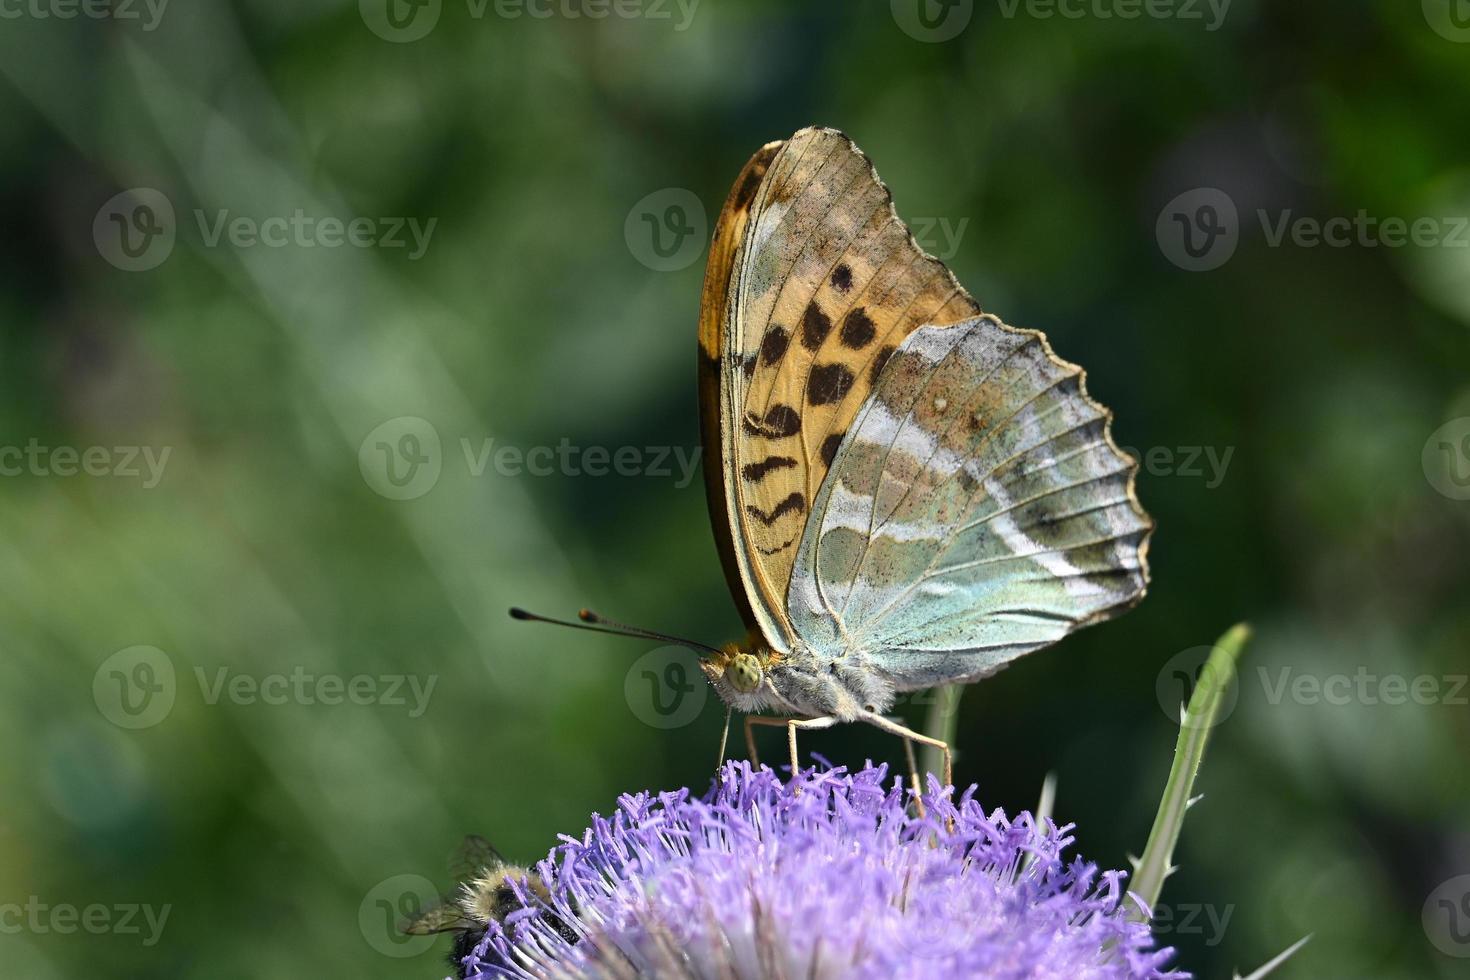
594, 623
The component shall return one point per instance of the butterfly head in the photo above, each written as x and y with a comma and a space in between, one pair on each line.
740, 673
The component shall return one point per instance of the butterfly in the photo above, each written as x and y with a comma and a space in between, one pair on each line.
910, 492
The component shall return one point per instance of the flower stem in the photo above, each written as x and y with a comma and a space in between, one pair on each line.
1194, 731
942, 721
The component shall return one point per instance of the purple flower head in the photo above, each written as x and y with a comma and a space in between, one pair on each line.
828, 875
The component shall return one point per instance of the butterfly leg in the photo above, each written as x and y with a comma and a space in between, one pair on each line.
908, 734
908, 751
750, 722
792, 724
724, 737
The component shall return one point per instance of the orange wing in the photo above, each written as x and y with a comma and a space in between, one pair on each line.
812, 282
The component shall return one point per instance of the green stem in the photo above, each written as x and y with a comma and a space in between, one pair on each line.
941, 723
1194, 731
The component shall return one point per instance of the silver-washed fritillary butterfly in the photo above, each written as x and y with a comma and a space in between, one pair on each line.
911, 492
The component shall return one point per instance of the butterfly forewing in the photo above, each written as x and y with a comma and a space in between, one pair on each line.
824, 283
978, 509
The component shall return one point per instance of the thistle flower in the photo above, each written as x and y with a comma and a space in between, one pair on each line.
827, 875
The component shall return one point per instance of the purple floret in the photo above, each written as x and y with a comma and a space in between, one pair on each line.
829, 875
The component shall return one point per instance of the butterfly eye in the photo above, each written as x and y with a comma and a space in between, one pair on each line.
744, 673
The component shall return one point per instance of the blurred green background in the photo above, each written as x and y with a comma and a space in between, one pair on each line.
174, 641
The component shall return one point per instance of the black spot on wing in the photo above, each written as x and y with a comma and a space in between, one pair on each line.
842, 278
815, 325
747, 187
780, 421
858, 329
828, 383
794, 503
883, 355
755, 472
829, 447
774, 344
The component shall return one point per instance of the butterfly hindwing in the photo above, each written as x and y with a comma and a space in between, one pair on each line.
978, 509
813, 282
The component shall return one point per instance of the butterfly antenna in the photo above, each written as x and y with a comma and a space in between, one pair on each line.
594, 623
